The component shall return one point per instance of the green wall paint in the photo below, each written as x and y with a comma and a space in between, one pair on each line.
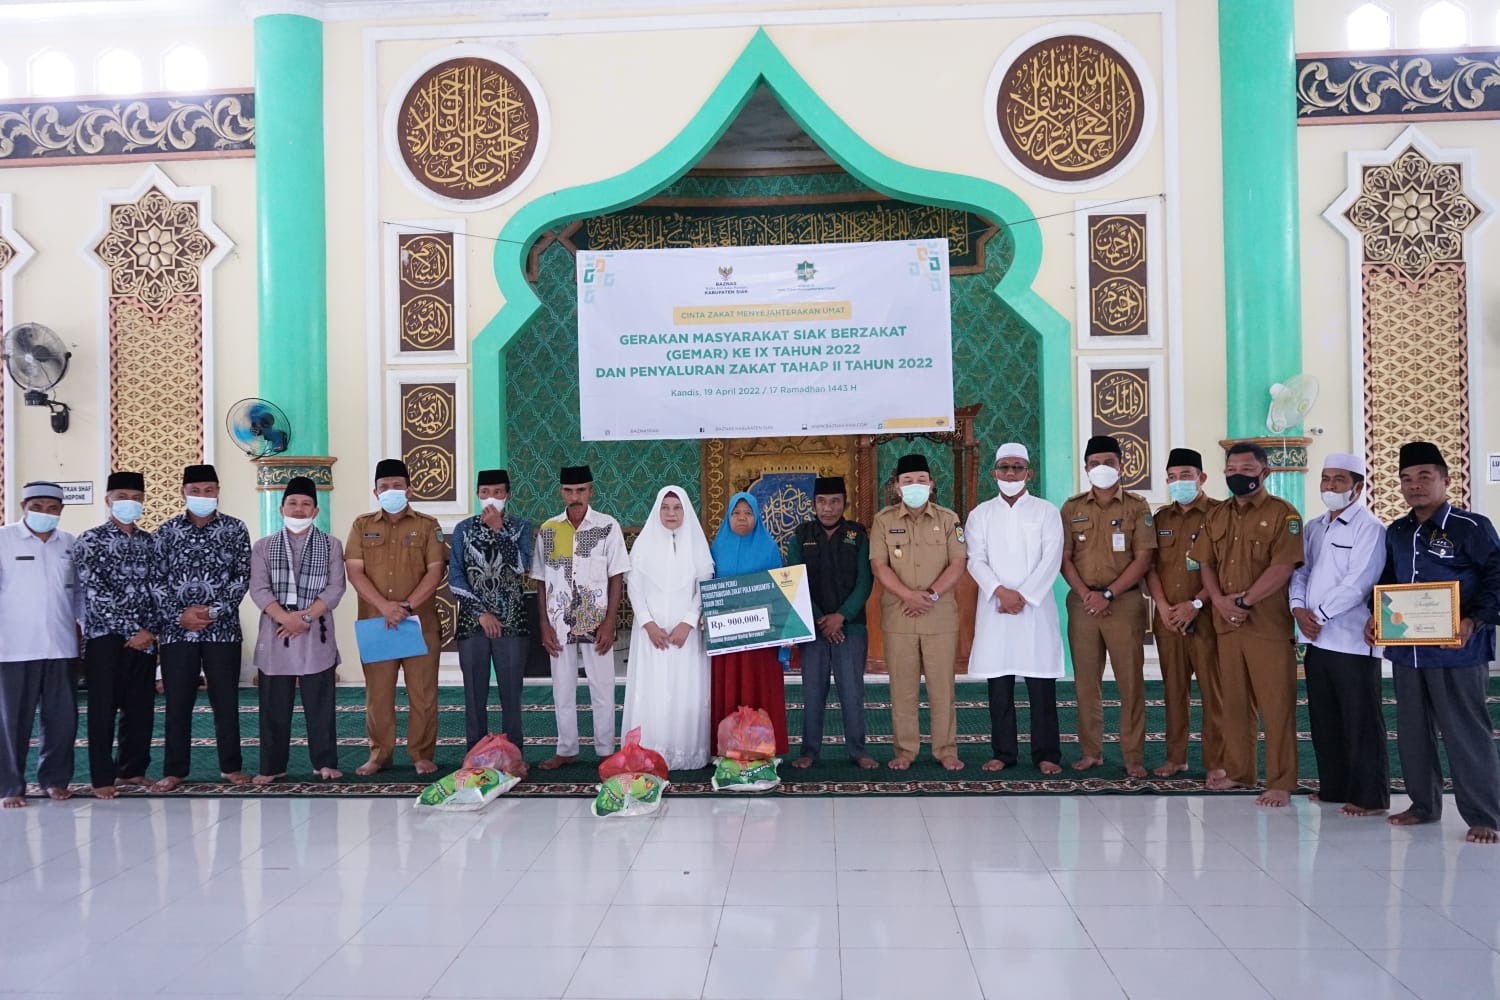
290, 234
1262, 285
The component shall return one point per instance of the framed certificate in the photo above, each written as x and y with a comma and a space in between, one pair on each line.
1416, 614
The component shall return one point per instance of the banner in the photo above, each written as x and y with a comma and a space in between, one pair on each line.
755, 610
832, 338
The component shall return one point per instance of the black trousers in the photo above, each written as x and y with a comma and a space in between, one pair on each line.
277, 693
1046, 745
508, 654
25, 686
122, 682
219, 663
1450, 701
1348, 728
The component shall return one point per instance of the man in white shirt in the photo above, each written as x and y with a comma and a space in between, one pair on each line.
40, 605
1015, 553
1329, 594
579, 564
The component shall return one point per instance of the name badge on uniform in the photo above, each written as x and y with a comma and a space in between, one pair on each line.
1079, 520
1117, 542
1164, 532
896, 531
372, 534
24, 558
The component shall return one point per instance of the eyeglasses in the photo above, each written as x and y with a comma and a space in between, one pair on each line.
1013, 468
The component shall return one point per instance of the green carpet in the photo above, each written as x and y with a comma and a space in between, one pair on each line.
833, 774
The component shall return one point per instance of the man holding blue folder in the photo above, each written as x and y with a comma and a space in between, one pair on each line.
395, 560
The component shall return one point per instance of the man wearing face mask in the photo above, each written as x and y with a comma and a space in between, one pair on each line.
1184, 636
1108, 543
1248, 551
491, 553
1330, 597
395, 559
1015, 552
205, 559
119, 572
918, 554
39, 609
1443, 689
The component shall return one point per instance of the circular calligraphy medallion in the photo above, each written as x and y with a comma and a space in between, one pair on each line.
468, 127
426, 263
431, 468
427, 412
1120, 400
1119, 305
1069, 106
426, 324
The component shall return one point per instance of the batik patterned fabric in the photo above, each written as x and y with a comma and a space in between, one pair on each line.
486, 571
208, 565
575, 564
120, 574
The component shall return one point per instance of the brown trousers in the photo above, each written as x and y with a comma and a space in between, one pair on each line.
1258, 677
908, 658
421, 674
1122, 635
1184, 657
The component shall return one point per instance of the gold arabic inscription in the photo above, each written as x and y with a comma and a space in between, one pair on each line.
467, 128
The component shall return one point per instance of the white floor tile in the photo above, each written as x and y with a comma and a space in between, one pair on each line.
509, 972
1183, 975
753, 974
1146, 927
1295, 926
1372, 928
563, 887
641, 973
1115, 888
236, 968
1325, 975
990, 888
757, 927
542, 925
872, 974
1212, 888
631, 926
886, 856
782, 888
899, 926
893, 888
665, 857
1443, 975
1059, 974
380, 971
674, 888
807, 856
1003, 927
429, 925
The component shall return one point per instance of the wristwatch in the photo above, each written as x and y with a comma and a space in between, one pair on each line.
1109, 595
1197, 604
1239, 602
934, 596
307, 619
213, 614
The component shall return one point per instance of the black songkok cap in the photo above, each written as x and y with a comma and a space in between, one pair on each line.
827, 485
912, 463
199, 474
125, 481
389, 467
493, 477
1103, 444
575, 475
1184, 456
1420, 453
300, 486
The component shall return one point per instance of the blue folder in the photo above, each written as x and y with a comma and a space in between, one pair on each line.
378, 643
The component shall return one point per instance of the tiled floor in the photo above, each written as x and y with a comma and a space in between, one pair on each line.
944, 898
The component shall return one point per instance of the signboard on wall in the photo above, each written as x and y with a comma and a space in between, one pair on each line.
843, 338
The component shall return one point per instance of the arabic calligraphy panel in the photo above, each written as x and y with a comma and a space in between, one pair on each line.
1120, 405
425, 276
1118, 296
429, 439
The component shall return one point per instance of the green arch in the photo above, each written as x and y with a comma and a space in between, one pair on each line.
762, 62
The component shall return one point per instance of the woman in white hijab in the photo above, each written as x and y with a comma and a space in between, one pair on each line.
666, 685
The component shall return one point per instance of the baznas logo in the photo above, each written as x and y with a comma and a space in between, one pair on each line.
725, 272
806, 271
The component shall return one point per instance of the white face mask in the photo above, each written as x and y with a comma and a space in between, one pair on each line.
491, 503
297, 525
914, 495
1338, 501
1103, 476
1011, 488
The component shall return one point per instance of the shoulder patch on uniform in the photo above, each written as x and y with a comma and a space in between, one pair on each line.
1149, 521
1293, 524
958, 532
438, 532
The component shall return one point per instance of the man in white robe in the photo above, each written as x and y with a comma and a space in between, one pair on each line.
1015, 553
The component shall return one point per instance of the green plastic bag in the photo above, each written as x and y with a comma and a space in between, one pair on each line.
466, 789
732, 775
629, 795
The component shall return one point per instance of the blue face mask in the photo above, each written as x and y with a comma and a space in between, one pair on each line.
126, 511
915, 495
202, 506
1183, 491
41, 523
392, 501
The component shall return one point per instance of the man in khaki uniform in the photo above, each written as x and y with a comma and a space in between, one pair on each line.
917, 553
395, 559
1248, 550
1108, 544
1185, 639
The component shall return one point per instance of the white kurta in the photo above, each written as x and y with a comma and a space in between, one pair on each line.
1018, 547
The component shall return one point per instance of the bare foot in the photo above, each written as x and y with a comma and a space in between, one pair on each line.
369, 767
140, 781
266, 779
1048, 767
952, 763
236, 778
13, 802
1222, 783
104, 791
803, 761
867, 763
166, 784
61, 793
899, 763
1135, 770
1350, 809
1084, 763
1315, 797
1481, 835
1273, 798
1408, 817
521, 771
426, 767
1168, 769
329, 773
556, 761
993, 765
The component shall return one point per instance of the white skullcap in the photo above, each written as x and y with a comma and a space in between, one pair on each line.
48, 491
1012, 450
1345, 461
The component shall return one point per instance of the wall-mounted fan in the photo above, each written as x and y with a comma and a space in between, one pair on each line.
258, 427
1290, 402
37, 360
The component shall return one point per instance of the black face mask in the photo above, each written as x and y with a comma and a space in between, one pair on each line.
1242, 485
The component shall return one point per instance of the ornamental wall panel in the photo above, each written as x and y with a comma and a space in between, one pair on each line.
1122, 396
426, 297
1351, 88
428, 428
46, 132
1121, 294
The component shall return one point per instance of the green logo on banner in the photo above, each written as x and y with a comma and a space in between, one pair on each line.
806, 271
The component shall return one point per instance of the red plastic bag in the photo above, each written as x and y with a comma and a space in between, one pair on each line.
497, 753
632, 758
747, 734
